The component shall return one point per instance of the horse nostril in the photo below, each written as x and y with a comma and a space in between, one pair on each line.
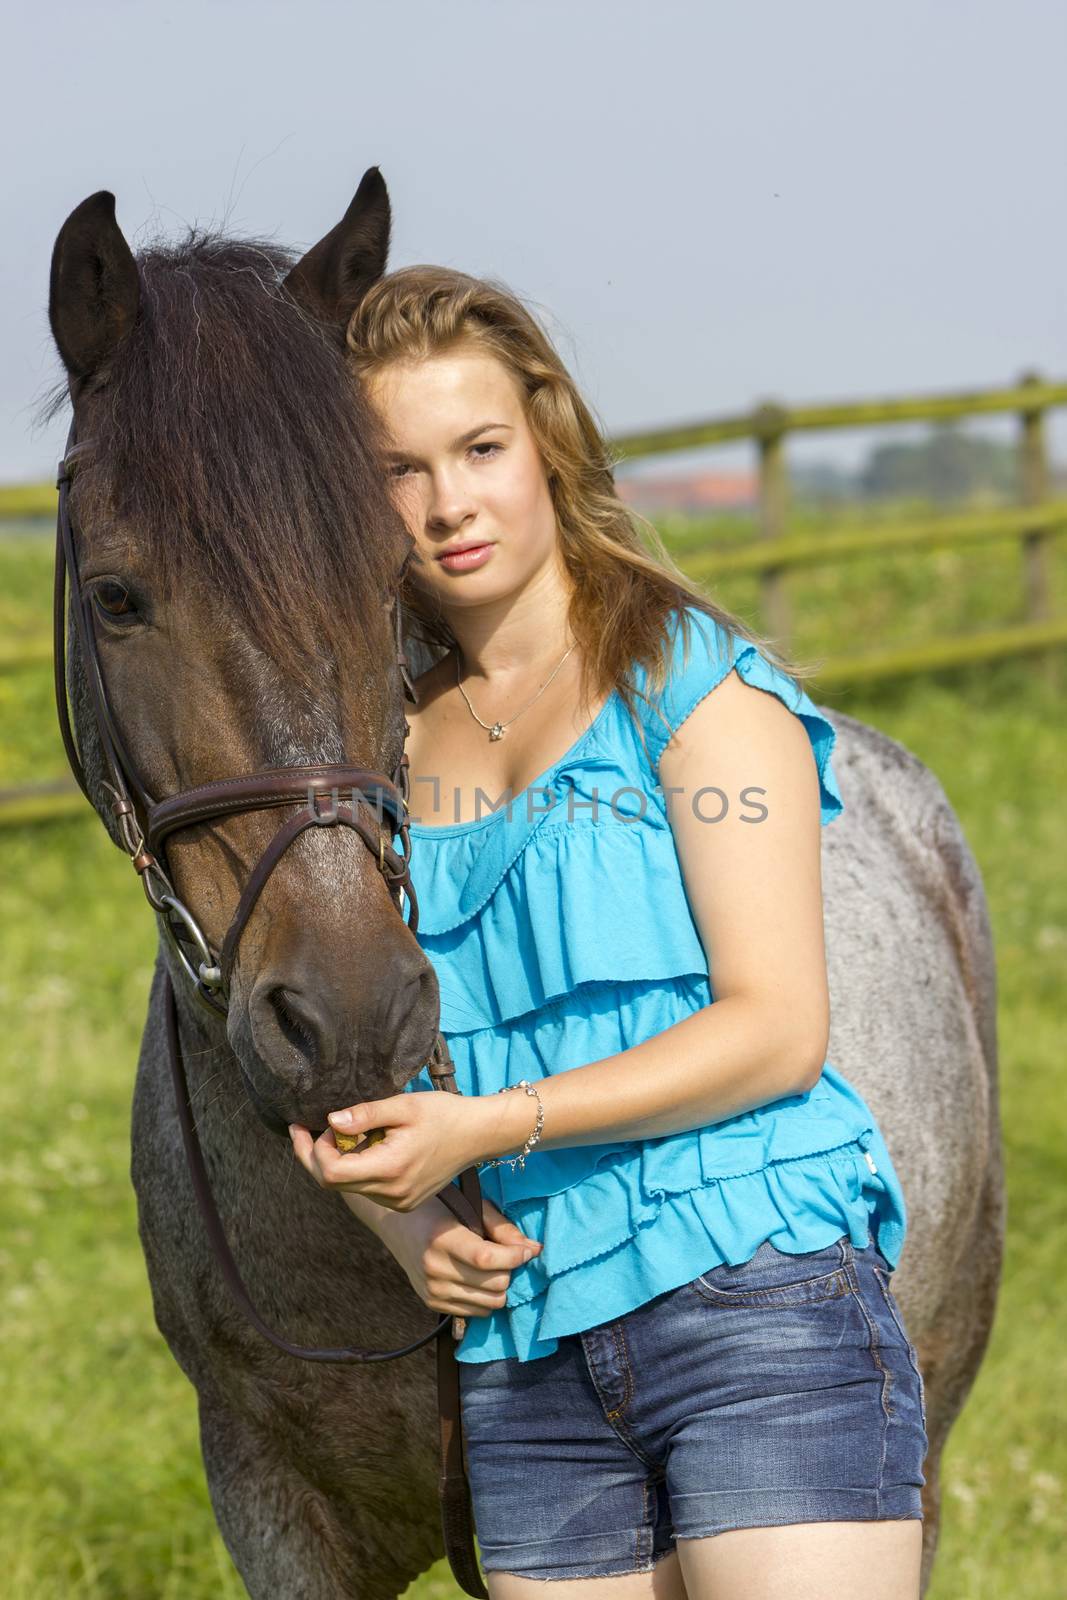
302, 1025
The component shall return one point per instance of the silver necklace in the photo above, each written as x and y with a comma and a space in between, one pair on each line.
496, 731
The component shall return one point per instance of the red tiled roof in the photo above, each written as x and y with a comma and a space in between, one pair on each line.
700, 491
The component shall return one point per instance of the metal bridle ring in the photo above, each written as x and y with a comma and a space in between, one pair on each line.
209, 974
156, 898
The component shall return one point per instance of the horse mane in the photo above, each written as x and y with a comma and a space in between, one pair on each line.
231, 440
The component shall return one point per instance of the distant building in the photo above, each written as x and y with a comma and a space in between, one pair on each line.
697, 492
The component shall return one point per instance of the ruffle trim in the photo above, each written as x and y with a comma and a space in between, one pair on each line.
800, 1204
541, 932
462, 871
755, 669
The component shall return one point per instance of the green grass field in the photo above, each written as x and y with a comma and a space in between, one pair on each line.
103, 1496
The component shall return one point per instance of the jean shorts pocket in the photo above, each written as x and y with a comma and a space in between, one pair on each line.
773, 1277
883, 1276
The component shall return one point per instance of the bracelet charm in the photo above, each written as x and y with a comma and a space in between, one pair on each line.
520, 1160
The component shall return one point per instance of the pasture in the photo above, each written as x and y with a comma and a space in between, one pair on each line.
103, 1495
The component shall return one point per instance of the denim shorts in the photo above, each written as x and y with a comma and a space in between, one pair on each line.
779, 1391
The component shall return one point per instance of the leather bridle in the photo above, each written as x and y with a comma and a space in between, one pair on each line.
325, 796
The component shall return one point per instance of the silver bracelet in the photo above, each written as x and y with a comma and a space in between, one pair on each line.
520, 1160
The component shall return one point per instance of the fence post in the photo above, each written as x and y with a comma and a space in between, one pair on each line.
1034, 491
769, 425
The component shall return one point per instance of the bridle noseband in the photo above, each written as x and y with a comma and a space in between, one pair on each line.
375, 807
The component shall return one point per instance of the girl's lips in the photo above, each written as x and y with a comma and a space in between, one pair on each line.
465, 560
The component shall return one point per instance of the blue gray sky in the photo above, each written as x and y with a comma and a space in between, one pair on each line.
709, 204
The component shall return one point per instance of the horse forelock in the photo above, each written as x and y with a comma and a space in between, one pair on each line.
231, 442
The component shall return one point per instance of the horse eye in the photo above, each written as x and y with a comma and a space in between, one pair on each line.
114, 599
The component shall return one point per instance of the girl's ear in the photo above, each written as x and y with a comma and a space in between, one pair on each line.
336, 273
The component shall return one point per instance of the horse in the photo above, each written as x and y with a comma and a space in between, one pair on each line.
240, 550
241, 553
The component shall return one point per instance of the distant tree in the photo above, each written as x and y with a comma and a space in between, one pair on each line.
947, 465
821, 483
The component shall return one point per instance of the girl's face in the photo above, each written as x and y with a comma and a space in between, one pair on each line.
465, 471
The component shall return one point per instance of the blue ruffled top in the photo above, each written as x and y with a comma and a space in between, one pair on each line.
561, 933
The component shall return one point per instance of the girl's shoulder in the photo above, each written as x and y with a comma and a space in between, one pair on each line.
701, 651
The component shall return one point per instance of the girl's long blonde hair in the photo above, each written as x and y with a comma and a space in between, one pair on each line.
625, 583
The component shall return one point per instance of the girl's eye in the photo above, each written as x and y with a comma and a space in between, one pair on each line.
399, 470
487, 449
114, 599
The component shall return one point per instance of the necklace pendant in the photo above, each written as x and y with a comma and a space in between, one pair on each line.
496, 731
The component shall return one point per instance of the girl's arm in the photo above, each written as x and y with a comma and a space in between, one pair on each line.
755, 890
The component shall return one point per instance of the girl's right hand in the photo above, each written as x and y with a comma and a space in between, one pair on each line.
450, 1267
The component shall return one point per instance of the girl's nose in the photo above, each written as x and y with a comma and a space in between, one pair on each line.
450, 506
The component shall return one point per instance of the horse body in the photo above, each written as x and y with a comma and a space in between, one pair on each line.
912, 979
324, 1477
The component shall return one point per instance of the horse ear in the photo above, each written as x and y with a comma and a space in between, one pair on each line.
336, 273
94, 293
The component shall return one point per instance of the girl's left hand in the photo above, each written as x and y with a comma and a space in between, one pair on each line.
429, 1139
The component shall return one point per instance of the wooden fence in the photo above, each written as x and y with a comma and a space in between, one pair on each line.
1036, 521
774, 552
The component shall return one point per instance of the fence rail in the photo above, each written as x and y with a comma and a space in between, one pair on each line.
1035, 522
1031, 396
42, 802
774, 551
27, 502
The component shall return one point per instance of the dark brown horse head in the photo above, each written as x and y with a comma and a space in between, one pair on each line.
236, 537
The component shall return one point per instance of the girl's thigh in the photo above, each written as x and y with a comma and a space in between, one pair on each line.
878, 1560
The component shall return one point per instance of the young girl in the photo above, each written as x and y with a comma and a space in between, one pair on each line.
682, 1365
